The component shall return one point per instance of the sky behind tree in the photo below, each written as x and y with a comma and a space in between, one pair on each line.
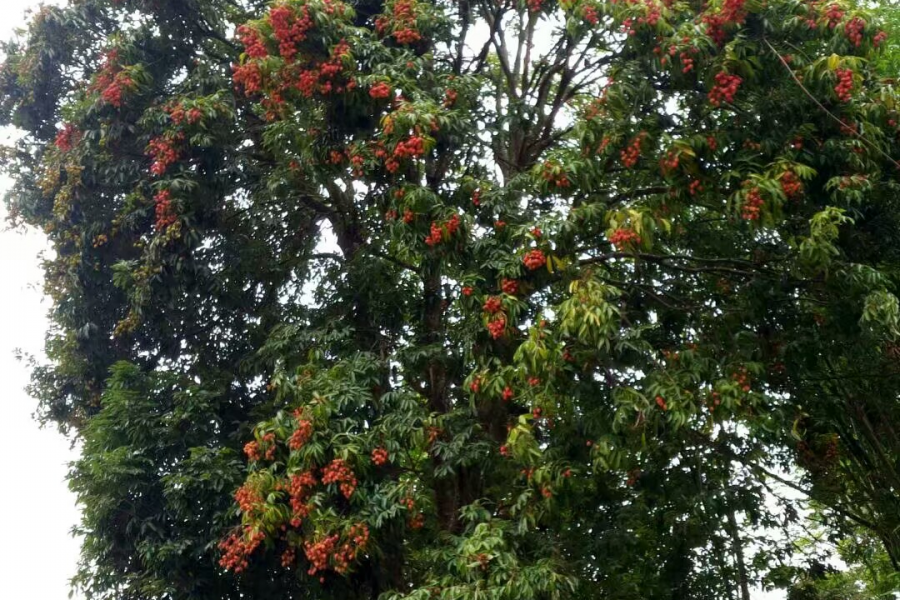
39, 554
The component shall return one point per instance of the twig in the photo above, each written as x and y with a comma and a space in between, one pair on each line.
823, 108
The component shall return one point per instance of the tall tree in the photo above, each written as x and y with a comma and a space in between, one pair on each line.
474, 299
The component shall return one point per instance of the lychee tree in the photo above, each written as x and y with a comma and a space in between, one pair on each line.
476, 299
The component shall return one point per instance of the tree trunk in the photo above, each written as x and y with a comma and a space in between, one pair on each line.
738, 549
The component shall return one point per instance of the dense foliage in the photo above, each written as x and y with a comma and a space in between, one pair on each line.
477, 299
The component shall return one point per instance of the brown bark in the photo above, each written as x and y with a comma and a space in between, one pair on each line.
738, 549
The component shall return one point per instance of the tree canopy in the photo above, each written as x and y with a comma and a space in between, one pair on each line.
481, 299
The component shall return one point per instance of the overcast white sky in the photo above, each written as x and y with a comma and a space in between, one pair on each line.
37, 554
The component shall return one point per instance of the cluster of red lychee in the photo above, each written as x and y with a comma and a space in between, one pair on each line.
669, 162
253, 44
336, 157
165, 211
652, 17
237, 548
289, 29
553, 173
326, 553
450, 97
300, 489
357, 540
791, 185
624, 238
401, 22
339, 472
742, 378
534, 259
653, 14
322, 80
380, 90
497, 326
380, 456
594, 109
412, 147
731, 13
407, 35
112, 94
248, 77
632, 153
725, 88
695, 187
318, 553
251, 449
301, 434
179, 115
493, 305
853, 29
164, 152
247, 498
270, 446
752, 206
438, 231
833, 14
112, 82
67, 137
417, 521
844, 87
